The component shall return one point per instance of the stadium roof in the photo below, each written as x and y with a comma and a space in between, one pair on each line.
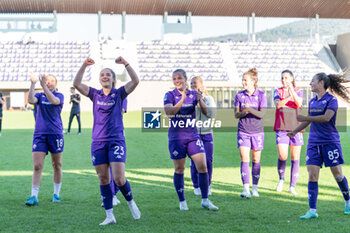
262, 8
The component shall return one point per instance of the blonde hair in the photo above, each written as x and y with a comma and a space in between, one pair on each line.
199, 78
253, 73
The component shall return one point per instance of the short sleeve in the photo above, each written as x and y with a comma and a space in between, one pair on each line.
37, 95
276, 95
123, 93
61, 98
263, 101
168, 98
333, 104
91, 94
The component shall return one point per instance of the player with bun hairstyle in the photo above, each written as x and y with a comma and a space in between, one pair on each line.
324, 142
206, 133
108, 147
48, 136
288, 101
250, 108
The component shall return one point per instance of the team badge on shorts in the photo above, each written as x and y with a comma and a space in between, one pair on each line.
152, 119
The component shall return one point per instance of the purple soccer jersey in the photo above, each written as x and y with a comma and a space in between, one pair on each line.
107, 111
323, 133
179, 128
48, 118
257, 101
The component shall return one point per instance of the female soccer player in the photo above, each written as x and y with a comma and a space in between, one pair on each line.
324, 142
250, 108
75, 111
108, 141
180, 105
288, 102
206, 133
48, 135
1, 103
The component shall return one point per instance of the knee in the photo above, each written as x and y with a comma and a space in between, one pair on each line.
38, 167
120, 181
313, 177
202, 168
179, 170
255, 160
104, 180
57, 165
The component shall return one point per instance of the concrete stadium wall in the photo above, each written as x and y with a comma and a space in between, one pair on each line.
343, 51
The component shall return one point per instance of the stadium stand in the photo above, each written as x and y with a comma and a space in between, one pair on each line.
63, 59
157, 60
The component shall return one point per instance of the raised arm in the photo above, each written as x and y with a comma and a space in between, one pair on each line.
50, 96
131, 85
82, 88
31, 98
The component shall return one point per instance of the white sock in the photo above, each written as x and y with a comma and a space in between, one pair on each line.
57, 188
347, 202
313, 211
255, 186
35, 191
246, 187
109, 213
204, 199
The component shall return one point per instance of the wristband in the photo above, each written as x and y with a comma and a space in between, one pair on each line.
126, 65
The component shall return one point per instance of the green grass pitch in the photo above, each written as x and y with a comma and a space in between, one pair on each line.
150, 170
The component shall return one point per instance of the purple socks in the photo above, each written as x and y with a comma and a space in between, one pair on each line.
281, 168
313, 192
179, 186
126, 191
107, 197
256, 173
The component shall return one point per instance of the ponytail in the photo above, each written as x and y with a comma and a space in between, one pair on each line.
335, 84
